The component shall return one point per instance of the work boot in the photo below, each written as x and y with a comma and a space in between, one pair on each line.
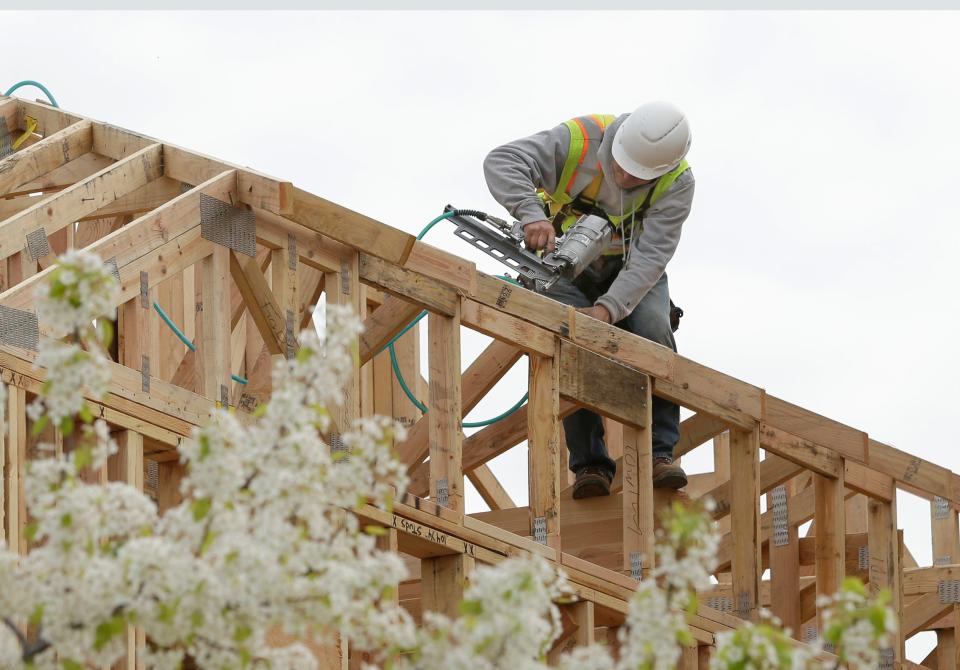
591, 482
667, 475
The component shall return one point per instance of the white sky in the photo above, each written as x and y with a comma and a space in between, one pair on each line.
818, 261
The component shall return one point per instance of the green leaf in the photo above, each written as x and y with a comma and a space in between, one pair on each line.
471, 608
107, 630
242, 633
200, 508
66, 520
37, 617
85, 414
207, 542
378, 531
196, 619
82, 457
106, 334
167, 612
70, 664
31, 530
40, 424
66, 426
204, 447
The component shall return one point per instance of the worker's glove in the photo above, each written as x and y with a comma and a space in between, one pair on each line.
539, 235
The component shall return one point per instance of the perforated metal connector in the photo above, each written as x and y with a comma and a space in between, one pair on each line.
338, 447
291, 251
443, 492
810, 634
948, 591
943, 560
112, 267
863, 558
720, 603
6, 143
540, 529
228, 226
886, 659
144, 290
744, 605
288, 333
636, 565
145, 374
345, 277
153, 475
19, 328
941, 508
224, 395
38, 246
781, 517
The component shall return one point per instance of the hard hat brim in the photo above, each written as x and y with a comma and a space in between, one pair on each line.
634, 168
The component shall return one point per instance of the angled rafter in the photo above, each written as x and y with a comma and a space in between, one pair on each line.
142, 236
260, 301
57, 211
48, 154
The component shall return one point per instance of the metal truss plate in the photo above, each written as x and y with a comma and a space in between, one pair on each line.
943, 560
540, 529
948, 591
443, 492
810, 634
636, 565
19, 328
144, 290
291, 251
113, 268
743, 605
6, 142
288, 333
338, 447
863, 558
229, 226
781, 517
886, 659
941, 508
224, 396
720, 603
153, 475
38, 246
145, 374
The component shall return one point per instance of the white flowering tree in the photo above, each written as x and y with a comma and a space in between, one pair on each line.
268, 539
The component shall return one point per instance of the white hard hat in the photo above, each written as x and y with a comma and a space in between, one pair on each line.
652, 141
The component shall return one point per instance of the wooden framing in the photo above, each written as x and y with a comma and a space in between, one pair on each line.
137, 201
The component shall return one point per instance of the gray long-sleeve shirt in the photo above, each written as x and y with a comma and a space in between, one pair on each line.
516, 170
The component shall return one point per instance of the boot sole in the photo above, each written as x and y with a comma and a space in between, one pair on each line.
590, 490
670, 481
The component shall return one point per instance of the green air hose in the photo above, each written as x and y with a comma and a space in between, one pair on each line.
37, 84
396, 366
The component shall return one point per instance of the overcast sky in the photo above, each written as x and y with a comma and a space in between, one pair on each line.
819, 261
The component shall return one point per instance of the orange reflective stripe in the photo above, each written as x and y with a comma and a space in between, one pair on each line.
583, 154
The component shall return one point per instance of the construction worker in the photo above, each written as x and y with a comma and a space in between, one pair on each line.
630, 169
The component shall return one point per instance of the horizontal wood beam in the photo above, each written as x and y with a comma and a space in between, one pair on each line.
426, 292
603, 385
349, 227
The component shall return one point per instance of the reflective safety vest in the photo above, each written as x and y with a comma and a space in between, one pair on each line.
582, 176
